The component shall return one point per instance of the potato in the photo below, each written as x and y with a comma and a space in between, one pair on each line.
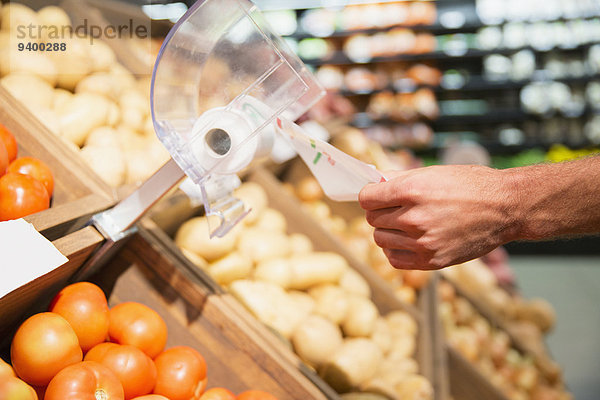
104, 137
403, 346
133, 99
132, 118
53, 17
107, 162
464, 312
72, 65
394, 369
230, 268
538, 311
276, 270
103, 57
382, 335
336, 224
309, 189
331, 302
356, 361
475, 277
270, 304
122, 77
300, 244
353, 283
129, 140
254, 197
316, 269
361, 317
379, 387
401, 322
29, 89
99, 83
464, 340
360, 227
195, 259
148, 129
272, 220
193, 235
406, 294
318, 209
359, 248
14, 61
61, 98
81, 115
50, 119
262, 245
414, 387
352, 141
416, 279
304, 303
14, 15
316, 340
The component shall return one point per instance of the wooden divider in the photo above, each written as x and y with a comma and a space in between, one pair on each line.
78, 191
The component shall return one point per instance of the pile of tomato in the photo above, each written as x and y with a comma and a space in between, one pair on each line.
64, 354
26, 183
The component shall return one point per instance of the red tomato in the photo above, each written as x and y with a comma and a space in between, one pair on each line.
181, 373
9, 142
151, 397
255, 395
12, 388
138, 325
98, 352
135, 370
218, 394
21, 195
36, 169
5, 369
43, 345
86, 380
3, 159
84, 306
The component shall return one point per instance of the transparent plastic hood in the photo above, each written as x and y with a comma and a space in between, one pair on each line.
221, 79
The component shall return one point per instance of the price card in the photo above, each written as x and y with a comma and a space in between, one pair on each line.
26, 255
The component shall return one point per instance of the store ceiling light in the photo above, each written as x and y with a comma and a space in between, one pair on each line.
171, 12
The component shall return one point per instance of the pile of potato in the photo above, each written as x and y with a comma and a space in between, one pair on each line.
527, 318
358, 236
490, 349
312, 299
83, 95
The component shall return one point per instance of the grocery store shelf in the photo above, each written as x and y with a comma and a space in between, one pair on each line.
340, 58
479, 83
408, 89
434, 29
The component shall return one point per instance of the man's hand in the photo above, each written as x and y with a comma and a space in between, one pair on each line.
433, 217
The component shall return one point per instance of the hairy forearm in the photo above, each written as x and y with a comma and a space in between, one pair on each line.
555, 200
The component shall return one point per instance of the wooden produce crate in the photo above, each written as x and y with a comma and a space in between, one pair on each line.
466, 381
144, 271
168, 215
77, 247
78, 192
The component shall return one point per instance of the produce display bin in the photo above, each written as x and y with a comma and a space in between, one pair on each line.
172, 212
146, 272
78, 191
464, 379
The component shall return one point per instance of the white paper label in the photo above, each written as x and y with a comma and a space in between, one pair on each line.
26, 255
340, 175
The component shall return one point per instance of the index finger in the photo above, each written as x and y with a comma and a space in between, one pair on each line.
376, 196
